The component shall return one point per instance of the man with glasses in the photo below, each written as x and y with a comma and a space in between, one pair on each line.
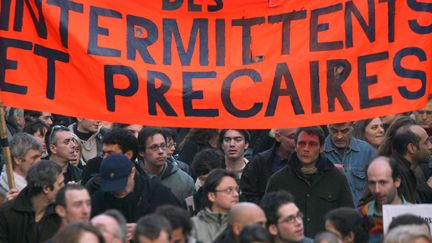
220, 194
284, 219
153, 151
313, 180
257, 172
423, 117
61, 148
171, 135
350, 155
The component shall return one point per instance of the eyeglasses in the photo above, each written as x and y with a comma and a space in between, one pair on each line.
229, 190
156, 147
171, 145
291, 219
54, 129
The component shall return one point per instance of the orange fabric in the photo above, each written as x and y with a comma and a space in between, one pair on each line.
240, 72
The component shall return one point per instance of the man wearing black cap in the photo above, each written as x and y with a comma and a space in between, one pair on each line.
122, 188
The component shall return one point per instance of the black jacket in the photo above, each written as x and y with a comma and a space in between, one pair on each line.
328, 189
227, 236
412, 189
72, 174
148, 194
17, 221
256, 174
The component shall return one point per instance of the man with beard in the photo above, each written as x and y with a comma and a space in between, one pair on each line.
61, 147
383, 181
284, 219
411, 146
234, 143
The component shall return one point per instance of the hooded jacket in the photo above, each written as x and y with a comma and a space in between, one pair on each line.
208, 225
180, 183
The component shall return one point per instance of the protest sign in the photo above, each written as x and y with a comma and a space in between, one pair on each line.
391, 211
216, 63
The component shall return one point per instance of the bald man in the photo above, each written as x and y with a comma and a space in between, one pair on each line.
241, 214
383, 181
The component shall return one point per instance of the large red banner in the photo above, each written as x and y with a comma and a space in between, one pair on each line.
216, 63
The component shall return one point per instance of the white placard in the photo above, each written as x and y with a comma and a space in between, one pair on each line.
391, 211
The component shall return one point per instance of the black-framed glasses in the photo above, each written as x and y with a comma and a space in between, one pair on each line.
292, 218
156, 147
54, 129
229, 190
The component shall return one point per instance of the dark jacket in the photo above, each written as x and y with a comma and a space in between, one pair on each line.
412, 189
72, 174
147, 195
256, 174
17, 221
326, 190
227, 236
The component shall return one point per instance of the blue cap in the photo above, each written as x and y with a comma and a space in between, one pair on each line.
114, 172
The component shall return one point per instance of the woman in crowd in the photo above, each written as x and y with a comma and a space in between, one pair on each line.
370, 130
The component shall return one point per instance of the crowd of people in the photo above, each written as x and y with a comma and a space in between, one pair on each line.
83, 180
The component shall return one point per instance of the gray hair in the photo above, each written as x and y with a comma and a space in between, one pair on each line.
407, 234
21, 143
121, 221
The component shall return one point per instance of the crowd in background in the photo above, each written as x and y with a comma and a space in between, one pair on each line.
83, 180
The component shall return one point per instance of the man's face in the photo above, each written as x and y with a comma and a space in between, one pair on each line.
423, 152
177, 236
308, 148
31, 157
88, 125
423, 116
286, 138
108, 149
46, 119
40, 137
340, 134
290, 224
380, 182
155, 151
225, 196
108, 227
234, 145
64, 148
134, 129
78, 206
58, 184
171, 146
